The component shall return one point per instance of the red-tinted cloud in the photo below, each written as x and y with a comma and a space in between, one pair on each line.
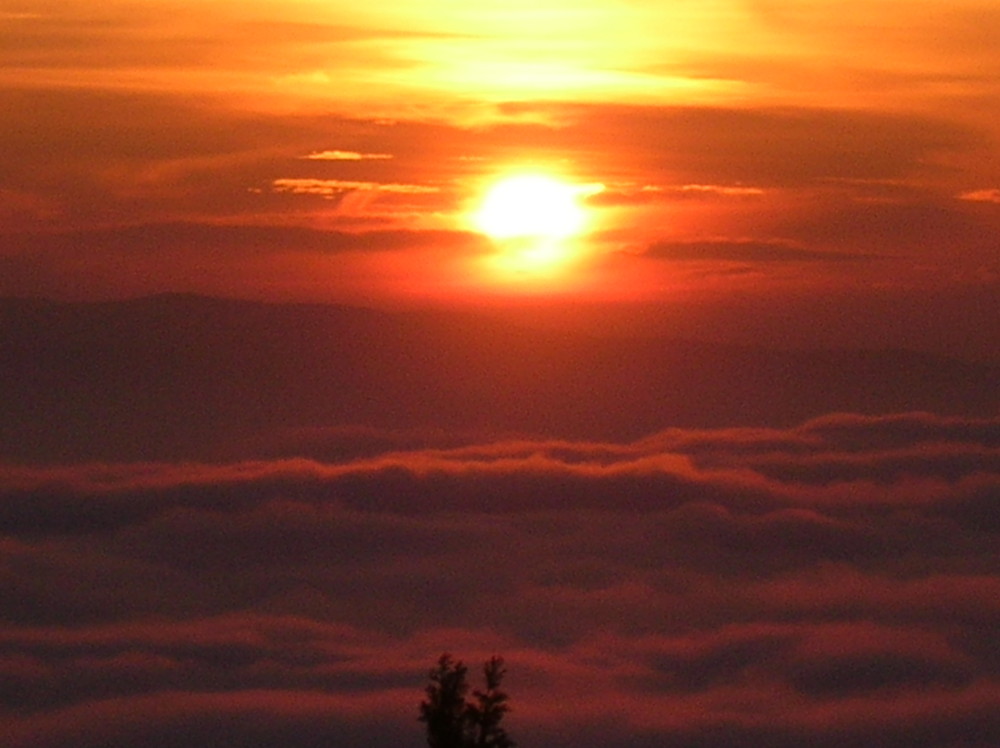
694, 587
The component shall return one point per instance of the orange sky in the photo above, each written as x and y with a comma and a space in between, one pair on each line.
755, 152
224, 521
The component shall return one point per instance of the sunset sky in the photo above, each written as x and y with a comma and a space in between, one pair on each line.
259, 524
738, 158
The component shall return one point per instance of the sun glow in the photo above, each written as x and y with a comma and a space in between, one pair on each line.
530, 206
532, 219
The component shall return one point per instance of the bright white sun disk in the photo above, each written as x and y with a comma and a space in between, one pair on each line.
530, 206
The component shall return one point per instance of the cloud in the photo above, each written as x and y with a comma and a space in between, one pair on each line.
640, 194
761, 148
916, 227
258, 717
669, 589
854, 432
346, 156
741, 251
724, 190
332, 187
351, 257
991, 195
220, 239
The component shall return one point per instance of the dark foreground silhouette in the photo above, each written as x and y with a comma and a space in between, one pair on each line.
454, 721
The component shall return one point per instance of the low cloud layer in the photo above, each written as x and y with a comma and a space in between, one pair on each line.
836, 583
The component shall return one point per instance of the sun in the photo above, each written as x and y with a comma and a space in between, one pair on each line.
533, 220
530, 206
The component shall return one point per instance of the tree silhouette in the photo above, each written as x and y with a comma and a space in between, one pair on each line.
455, 722
444, 709
488, 709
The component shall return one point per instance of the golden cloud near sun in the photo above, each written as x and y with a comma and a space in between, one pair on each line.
532, 216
